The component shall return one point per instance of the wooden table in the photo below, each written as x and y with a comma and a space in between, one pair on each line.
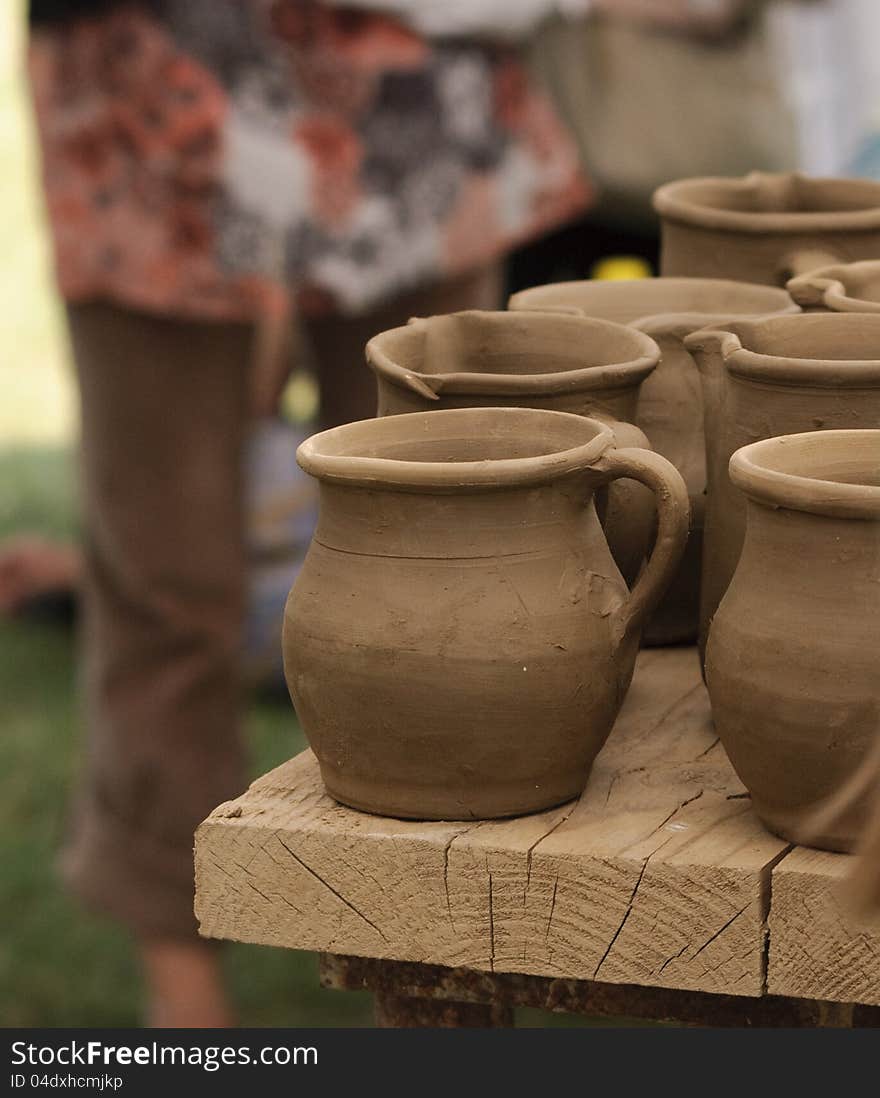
657, 894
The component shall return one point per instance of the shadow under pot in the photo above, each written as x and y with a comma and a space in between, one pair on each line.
670, 405
560, 363
766, 227
776, 376
840, 288
459, 642
791, 664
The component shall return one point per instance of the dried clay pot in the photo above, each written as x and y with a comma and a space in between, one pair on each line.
670, 407
791, 663
775, 376
765, 227
840, 288
531, 360
459, 642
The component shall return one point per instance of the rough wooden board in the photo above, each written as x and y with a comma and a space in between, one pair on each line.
817, 949
659, 875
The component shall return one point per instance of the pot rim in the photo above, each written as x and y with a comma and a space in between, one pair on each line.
317, 457
665, 321
671, 201
831, 286
616, 375
743, 362
750, 471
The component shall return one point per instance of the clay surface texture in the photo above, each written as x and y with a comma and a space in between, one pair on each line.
670, 405
459, 641
766, 227
791, 663
776, 376
530, 360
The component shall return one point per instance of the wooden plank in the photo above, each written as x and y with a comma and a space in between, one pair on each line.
659, 875
817, 948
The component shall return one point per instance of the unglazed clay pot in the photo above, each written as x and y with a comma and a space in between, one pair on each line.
670, 407
775, 376
459, 642
765, 227
530, 360
840, 288
792, 661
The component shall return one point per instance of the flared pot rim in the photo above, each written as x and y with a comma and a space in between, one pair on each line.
680, 201
657, 321
343, 454
732, 339
795, 472
628, 373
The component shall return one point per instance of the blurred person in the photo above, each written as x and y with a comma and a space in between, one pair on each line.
210, 165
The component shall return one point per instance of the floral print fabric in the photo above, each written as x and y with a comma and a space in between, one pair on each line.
231, 158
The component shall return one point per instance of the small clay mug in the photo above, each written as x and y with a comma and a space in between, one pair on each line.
763, 378
565, 363
459, 642
670, 407
766, 227
840, 288
792, 660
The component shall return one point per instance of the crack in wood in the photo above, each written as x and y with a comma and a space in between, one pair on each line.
552, 908
626, 915
330, 887
491, 924
674, 957
537, 842
719, 932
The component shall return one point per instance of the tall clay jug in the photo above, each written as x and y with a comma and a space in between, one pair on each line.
670, 407
776, 376
792, 661
458, 642
840, 288
766, 227
530, 360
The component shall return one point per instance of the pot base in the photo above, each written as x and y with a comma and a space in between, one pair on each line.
793, 831
446, 808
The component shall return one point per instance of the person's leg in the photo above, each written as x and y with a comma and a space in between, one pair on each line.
348, 386
164, 404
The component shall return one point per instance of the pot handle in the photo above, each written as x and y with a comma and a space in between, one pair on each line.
673, 521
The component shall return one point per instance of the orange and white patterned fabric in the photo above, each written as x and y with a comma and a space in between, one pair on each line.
234, 158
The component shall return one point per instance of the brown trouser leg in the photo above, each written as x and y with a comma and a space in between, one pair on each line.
163, 411
348, 386
164, 404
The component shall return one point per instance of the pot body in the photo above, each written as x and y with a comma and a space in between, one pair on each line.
670, 403
453, 656
792, 671
493, 346
752, 410
755, 397
766, 227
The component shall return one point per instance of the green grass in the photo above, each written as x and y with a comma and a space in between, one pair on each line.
60, 965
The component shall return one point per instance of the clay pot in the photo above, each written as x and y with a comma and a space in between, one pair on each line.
766, 227
530, 360
458, 642
670, 408
841, 288
776, 376
791, 663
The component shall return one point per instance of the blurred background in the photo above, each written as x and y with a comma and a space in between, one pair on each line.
649, 92
61, 966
